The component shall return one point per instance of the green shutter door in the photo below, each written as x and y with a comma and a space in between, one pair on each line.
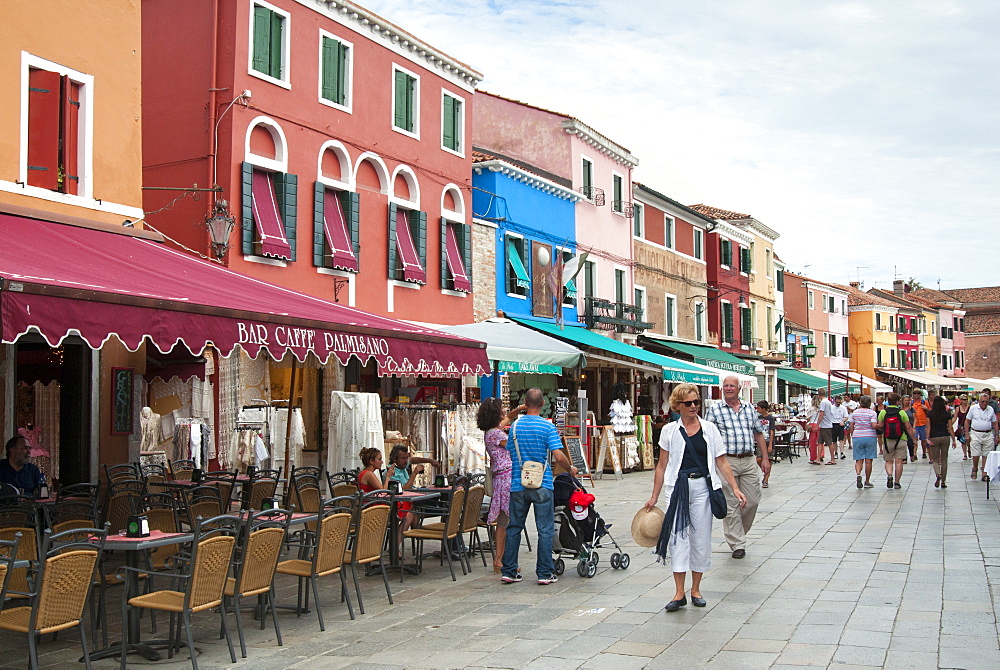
350, 203
466, 246
330, 53
319, 238
418, 226
287, 187
246, 218
727, 319
274, 60
444, 251
399, 113
448, 110
261, 38
392, 241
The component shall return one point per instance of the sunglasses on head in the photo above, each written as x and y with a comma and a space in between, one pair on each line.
688, 403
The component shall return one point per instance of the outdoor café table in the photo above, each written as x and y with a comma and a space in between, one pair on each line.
133, 548
991, 468
410, 496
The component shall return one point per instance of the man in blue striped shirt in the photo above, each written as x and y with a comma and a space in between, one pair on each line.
532, 438
740, 426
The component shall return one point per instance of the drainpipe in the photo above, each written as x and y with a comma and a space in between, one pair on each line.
212, 103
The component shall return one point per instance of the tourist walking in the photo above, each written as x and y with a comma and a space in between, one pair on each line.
740, 428
961, 412
919, 408
532, 439
839, 416
851, 405
941, 435
911, 445
812, 427
491, 420
767, 423
895, 424
692, 459
825, 421
863, 439
981, 427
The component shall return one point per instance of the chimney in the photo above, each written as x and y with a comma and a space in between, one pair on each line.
856, 284
898, 287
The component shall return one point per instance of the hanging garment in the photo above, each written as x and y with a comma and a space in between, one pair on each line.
149, 428
281, 455
355, 422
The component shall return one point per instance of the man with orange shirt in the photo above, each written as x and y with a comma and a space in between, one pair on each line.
919, 410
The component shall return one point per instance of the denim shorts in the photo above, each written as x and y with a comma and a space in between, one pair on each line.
865, 448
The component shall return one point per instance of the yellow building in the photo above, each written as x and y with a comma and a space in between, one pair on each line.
871, 337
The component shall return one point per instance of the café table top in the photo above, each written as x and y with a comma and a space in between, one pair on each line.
156, 539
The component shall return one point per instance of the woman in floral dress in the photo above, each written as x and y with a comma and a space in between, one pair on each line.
491, 420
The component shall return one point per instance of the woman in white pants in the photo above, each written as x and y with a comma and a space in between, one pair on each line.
692, 454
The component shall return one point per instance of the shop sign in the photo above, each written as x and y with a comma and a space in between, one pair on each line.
322, 342
726, 365
534, 368
697, 378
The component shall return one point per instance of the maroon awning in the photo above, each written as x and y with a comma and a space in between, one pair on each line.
335, 227
454, 259
64, 280
267, 217
413, 271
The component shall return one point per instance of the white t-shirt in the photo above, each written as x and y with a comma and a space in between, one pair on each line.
839, 414
981, 419
826, 407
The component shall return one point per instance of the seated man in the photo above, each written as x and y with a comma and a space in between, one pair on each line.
15, 468
399, 470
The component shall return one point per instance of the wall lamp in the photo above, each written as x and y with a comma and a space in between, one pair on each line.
742, 304
220, 226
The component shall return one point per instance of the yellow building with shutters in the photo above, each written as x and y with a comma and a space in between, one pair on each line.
871, 337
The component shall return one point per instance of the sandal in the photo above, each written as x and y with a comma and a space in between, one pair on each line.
974, 474
831, 462
763, 485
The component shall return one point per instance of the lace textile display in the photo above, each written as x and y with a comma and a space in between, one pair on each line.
621, 416
354, 422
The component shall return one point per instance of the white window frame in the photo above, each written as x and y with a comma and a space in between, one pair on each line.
722, 324
878, 357
584, 162
645, 302
277, 164
843, 306
670, 325
461, 133
753, 320
825, 300
669, 226
701, 322
507, 234
619, 212
415, 134
286, 47
698, 244
348, 105
626, 288
769, 263
638, 209
811, 298
753, 259
596, 287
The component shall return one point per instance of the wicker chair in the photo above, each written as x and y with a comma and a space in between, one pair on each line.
155, 475
264, 484
62, 586
202, 501
327, 559
182, 468
305, 496
471, 514
114, 473
8, 554
256, 565
70, 513
75, 491
446, 530
225, 482
123, 500
368, 537
21, 519
206, 572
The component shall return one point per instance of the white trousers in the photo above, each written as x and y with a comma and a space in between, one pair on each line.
693, 552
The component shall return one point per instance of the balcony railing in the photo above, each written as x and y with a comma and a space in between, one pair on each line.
617, 316
594, 194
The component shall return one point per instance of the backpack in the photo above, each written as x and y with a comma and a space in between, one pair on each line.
892, 425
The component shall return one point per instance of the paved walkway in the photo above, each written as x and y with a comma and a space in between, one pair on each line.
834, 577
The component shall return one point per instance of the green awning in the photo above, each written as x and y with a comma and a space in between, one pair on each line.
799, 378
515, 348
514, 258
709, 356
673, 369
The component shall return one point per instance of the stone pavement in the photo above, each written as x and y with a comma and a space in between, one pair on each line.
834, 577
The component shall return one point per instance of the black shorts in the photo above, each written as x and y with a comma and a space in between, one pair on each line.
838, 432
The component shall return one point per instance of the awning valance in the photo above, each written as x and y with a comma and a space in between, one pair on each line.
922, 379
708, 356
516, 348
63, 280
800, 378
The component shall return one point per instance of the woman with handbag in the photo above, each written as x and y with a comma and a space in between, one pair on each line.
692, 464
491, 420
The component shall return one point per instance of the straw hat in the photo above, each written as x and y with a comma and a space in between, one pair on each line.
646, 526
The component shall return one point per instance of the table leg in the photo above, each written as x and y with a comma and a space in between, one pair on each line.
146, 650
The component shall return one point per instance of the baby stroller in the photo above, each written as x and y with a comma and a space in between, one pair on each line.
579, 529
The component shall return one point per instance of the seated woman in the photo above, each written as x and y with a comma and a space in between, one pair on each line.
368, 478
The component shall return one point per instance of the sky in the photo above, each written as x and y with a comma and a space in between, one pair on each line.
866, 133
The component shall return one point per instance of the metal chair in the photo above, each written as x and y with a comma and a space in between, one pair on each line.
225, 481
122, 499
75, 491
203, 576
202, 501
121, 471
21, 519
8, 554
155, 475
371, 522
182, 468
70, 513
263, 485
61, 588
446, 530
327, 559
257, 560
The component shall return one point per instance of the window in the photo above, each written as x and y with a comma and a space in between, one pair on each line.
823, 303
892, 326
408, 255
668, 231
639, 297
670, 316
746, 327
769, 324
588, 178
878, 357
833, 305
845, 346
878, 321
54, 132
619, 285
699, 321
269, 213
727, 323
892, 358
517, 280
843, 307
913, 326
335, 72
725, 252
746, 260
637, 227
405, 93
452, 123
812, 304
569, 289
269, 35
335, 229
618, 190
456, 256
833, 345
768, 263
589, 279
961, 325
698, 243
780, 280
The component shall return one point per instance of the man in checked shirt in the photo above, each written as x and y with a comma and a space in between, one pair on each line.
740, 427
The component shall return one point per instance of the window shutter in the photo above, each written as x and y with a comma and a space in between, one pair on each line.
70, 136
287, 187
43, 129
400, 111
727, 313
342, 74
444, 251
247, 209
781, 280
350, 202
418, 220
319, 238
448, 111
277, 26
261, 39
466, 246
392, 241
331, 54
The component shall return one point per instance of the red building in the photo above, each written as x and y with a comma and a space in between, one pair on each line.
339, 141
728, 256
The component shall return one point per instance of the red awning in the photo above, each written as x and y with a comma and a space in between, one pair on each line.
412, 269
63, 280
455, 265
341, 248
267, 216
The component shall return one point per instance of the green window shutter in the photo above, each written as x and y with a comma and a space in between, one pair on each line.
341, 73
722, 252
329, 69
780, 276
392, 241
444, 250
350, 202
588, 178
261, 38
287, 187
277, 28
247, 209
448, 112
319, 238
466, 247
418, 225
400, 111
727, 322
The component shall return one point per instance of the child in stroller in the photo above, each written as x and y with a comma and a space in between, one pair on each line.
579, 529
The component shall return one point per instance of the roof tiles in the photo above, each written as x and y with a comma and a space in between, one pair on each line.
717, 213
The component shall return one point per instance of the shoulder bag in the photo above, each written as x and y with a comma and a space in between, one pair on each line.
532, 472
720, 508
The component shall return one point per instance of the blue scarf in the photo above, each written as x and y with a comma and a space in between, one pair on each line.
678, 513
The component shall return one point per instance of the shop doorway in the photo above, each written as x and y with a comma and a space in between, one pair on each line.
52, 404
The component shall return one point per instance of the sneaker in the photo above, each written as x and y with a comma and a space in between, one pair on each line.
510, 580
888, 482
552, 579
869, 485
859, 482
896, 486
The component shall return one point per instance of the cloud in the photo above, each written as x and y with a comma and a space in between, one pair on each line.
866, 133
